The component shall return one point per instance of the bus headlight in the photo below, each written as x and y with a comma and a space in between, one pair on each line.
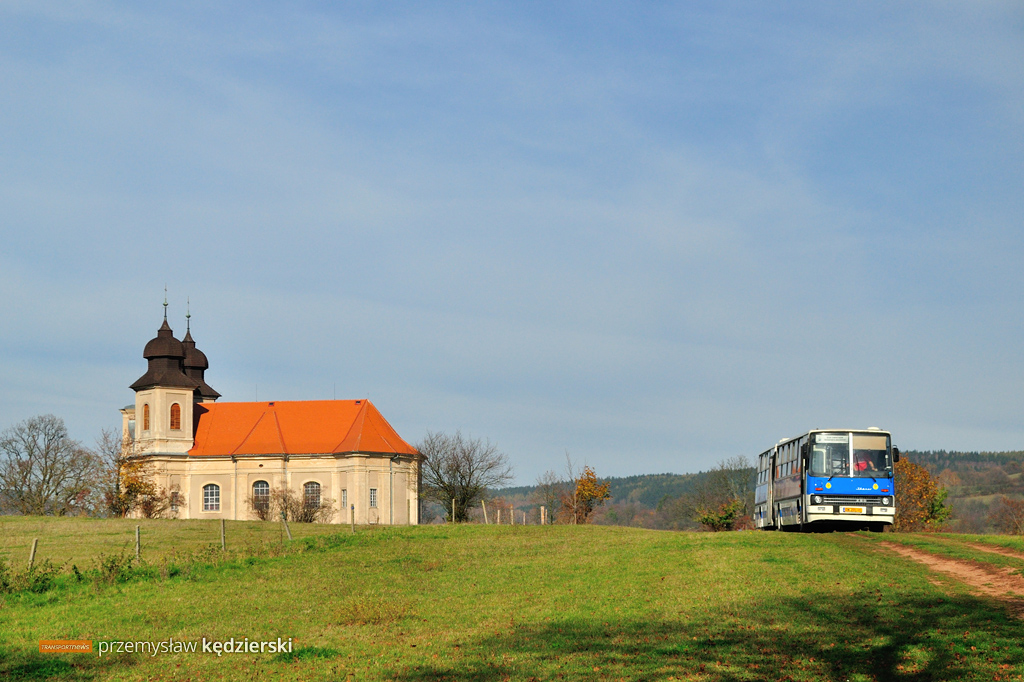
817, 499
885, 501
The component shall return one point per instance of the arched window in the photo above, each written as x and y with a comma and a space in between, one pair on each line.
176, 416
311, 497
211, 497
145, 417
261, 496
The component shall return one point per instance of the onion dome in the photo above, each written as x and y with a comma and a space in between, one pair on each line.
166, 355
195, 365
194, 358
164, 345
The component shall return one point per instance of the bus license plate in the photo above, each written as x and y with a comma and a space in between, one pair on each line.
852, 510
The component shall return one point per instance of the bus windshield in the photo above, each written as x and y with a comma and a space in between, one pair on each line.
846, 455
871, 455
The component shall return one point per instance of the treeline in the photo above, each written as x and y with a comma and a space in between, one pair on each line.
982, 487
647, 490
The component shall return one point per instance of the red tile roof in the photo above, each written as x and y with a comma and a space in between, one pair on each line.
294, 428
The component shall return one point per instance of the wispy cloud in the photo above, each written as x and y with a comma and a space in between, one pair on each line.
655, 236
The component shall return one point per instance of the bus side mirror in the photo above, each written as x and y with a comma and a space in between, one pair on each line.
895, 455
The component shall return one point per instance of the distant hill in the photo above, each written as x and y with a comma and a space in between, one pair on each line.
647, 490
975, 480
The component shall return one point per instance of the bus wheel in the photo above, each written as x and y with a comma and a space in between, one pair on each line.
876, 527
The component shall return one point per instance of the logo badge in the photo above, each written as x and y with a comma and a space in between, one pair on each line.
828, 485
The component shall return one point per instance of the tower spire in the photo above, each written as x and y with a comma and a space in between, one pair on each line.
188, 315
165, 303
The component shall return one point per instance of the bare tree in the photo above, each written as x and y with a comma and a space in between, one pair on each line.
461, 469
722, 498
292, 506
736, 476
549, 491
44, 471
1008, 515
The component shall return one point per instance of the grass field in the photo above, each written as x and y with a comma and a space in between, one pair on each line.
519, 603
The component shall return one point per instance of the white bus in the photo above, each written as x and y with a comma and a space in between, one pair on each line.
827, 479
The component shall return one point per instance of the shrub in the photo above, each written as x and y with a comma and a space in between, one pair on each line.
116, 568
724, 518
38, 578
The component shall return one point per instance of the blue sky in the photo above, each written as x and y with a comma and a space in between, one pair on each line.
651, 235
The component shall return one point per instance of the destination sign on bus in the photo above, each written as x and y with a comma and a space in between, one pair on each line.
832, 438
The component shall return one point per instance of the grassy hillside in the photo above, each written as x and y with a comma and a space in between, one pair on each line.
511, 602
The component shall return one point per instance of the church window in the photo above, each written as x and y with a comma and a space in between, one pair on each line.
373, 497
145, 417
311, 493
344, 498
261, 496
176, 416
211, 497
175, 499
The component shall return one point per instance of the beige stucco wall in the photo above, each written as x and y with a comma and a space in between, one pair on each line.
395, 481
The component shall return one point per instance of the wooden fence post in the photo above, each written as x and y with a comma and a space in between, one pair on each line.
499, 516
482, 504
286, 528
32, 554
223, 538
138, 543
512, 513
542, 511
352, 517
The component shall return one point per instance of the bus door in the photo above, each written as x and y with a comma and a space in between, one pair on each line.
771, 490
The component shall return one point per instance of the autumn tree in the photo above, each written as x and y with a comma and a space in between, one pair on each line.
920, 501
125, 479
586, 493
462, 469
44, 471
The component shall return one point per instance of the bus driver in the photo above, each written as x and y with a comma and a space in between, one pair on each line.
863, 461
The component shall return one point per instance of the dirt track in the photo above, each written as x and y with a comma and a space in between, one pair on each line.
1000, 583
1005, 551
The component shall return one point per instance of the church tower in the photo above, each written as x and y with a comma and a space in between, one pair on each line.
164, 396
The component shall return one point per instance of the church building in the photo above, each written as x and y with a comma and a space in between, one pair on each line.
219, 460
